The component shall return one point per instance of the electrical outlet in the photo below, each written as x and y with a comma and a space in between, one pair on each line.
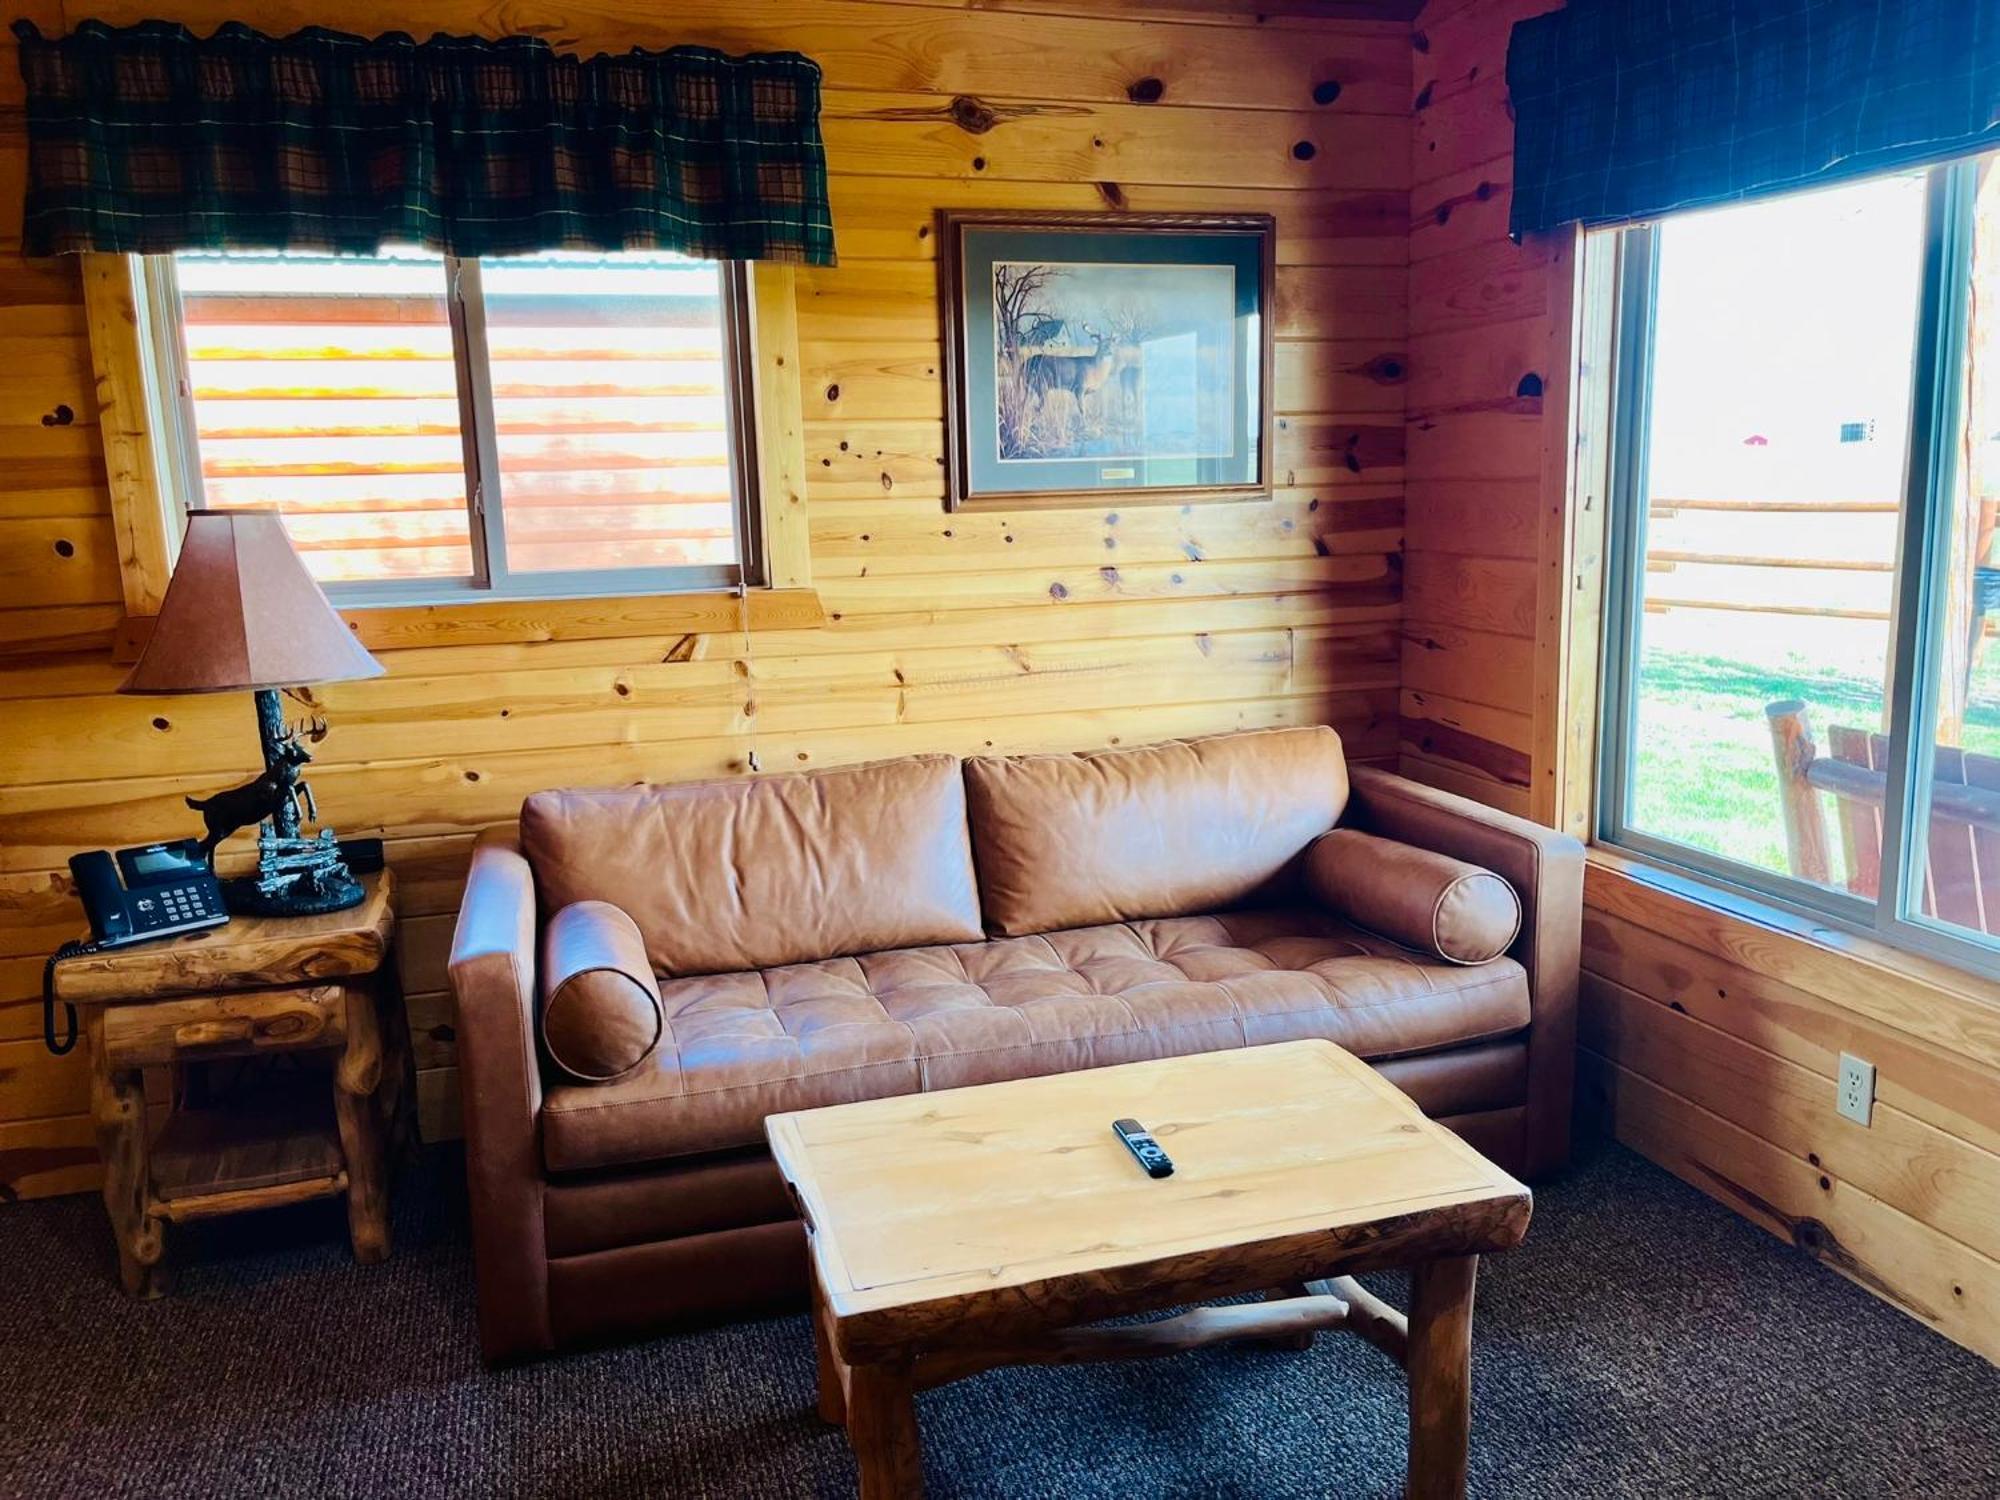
1856, 1097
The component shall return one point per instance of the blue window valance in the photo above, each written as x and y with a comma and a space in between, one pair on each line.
150, 139
1624, 109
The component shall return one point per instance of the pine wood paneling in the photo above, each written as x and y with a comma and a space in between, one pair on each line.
1712, 1045
1042, 630
1930, 1276
1483, 319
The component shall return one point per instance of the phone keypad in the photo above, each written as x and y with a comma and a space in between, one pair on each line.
180, 905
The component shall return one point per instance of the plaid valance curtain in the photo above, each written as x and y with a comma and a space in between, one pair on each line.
149, 139
1628, 108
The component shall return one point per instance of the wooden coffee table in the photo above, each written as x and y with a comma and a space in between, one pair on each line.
962, 1230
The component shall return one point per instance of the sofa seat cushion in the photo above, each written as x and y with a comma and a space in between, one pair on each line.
745, 1045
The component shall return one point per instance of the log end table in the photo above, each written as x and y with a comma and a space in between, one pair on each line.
962, 1230
256, 987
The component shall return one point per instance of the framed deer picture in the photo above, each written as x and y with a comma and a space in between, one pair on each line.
1099, 355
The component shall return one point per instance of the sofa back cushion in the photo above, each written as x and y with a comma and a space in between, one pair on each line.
754, 872
1159, 831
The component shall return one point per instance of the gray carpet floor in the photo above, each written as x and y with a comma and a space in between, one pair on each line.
1643, 1342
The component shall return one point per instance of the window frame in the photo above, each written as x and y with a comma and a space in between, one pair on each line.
124, 319
1922, 551
490, 578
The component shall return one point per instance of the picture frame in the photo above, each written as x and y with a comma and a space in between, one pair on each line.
1094, 357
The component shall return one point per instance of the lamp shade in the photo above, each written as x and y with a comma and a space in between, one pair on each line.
242, 612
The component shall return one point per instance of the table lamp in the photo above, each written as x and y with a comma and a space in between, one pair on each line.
242, 614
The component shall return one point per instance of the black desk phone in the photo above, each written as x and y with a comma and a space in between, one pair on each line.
166, 889
154, 891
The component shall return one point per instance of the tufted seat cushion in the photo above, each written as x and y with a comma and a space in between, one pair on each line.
742, 1046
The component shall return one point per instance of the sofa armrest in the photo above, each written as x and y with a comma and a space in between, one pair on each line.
1545, 868
500, 1087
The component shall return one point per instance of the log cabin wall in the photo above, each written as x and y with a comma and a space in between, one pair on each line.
1488, 346
1041, 630
1711, 1042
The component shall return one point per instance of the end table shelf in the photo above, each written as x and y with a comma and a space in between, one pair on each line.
258, 987
219, 1160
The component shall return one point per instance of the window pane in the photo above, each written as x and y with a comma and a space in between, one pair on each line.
611, 411
1777, 419
325, 386
1961, 857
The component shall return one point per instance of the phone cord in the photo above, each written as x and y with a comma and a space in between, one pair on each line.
71, 949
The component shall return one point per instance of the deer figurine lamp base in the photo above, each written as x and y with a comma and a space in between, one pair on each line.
296, 876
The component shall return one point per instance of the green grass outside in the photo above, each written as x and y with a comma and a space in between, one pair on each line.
1704, 773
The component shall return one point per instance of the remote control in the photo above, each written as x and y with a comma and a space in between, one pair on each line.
1142, 1145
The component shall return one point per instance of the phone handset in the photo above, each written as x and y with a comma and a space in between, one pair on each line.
102, 894
103, 897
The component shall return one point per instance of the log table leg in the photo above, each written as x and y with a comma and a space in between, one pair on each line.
882, 1428
1301, 1339
1440, 1372
357, 1111
398, 1091
832, 1374
118, 1109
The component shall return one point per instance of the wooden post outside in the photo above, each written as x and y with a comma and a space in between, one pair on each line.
1440, 1370
1793, 751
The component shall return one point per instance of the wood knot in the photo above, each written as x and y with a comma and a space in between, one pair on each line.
1112, 194
1146, 91
1530, 386
1327, 92
1304, 151
972, 115
62, 416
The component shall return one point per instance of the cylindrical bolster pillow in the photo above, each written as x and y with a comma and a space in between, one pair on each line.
601, 1013
1429, 902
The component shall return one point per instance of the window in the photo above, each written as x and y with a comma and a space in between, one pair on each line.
436, 429
1802, 698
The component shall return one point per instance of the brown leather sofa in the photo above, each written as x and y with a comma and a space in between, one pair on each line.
924, 923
